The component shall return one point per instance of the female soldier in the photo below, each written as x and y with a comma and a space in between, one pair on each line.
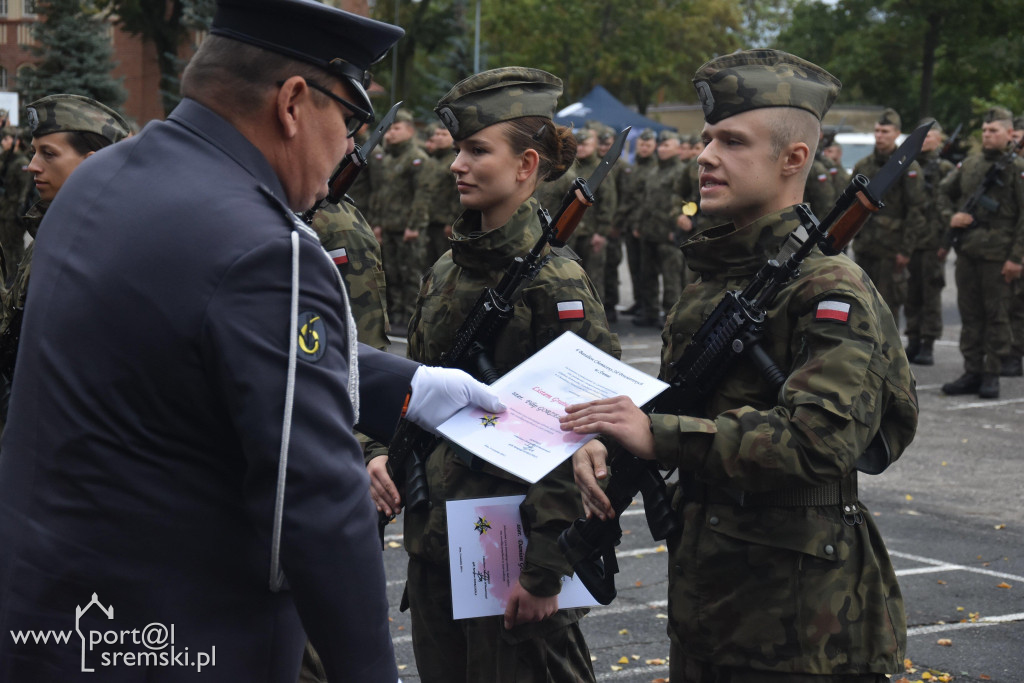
507, 143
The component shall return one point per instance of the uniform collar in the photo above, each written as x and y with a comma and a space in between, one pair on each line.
399, 147
493, 250
727, 251
210, 126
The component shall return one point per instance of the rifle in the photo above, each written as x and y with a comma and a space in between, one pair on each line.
348, 170
977, 199
474, 341
947, 149
732, 331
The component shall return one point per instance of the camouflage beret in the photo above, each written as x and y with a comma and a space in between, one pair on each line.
404, 115
693, 140
9, 131
490, 97
583, 134
998, 114
606, 133
668, 135
75, 113
890, 117
648, 134
928, 120
753, 79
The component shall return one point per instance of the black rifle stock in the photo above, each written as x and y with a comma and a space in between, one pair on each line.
474, 340
978, 198
732, 331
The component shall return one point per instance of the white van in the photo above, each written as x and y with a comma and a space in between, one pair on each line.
856, 146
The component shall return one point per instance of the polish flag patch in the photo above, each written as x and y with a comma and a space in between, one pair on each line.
339, 256
833, 170
838, 311
570, 310
417, 162
912, 174
822, 178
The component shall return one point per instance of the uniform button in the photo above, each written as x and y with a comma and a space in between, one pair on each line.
829, 550
713, 521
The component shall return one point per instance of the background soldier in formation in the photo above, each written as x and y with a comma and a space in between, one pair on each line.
630, 207
783, 551
884, 246
591, 238
399, 211
613, 247
1012, 365
926, 272
989, 251
442, 194
15, 186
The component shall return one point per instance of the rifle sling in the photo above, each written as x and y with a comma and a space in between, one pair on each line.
843, 492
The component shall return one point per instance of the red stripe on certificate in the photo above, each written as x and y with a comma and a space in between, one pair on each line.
339, 256
833, 310
570, 310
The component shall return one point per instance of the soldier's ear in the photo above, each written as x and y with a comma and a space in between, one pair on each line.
795, 156
290, 95
528, 163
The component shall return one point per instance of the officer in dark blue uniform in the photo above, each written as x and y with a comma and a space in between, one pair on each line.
179, 451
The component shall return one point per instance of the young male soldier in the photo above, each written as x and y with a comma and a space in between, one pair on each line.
926, 272
591, 237
989, 251
185, 440
613, 248
1012, 365
659, 254
885, 244
630, 205
15, 184
399, 211
769, 581
442, 195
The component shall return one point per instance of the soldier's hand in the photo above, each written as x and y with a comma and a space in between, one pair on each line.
410, 235
589, 465
1012, 271
942, 253
901, 262
597, 243
439, 393
617, 417
684, 223
961, 219
382, 488
524, 607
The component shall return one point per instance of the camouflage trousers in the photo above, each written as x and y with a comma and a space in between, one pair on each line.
475, 650
923, 310
664, 259
984, 301
403, 266
685, 670
1017, 318
892, 285
593, 262
613, 257
632, 243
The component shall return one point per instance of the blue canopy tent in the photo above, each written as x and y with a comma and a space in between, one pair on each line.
601, 105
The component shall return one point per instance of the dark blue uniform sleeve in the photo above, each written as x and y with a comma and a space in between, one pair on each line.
329, 548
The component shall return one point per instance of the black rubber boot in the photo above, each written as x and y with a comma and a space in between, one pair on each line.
925, 354
989, 386
967, 383
912, 348
1011, 367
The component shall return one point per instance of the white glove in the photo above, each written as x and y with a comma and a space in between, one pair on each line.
439, 393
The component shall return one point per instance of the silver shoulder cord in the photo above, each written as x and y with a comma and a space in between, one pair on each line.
276, 573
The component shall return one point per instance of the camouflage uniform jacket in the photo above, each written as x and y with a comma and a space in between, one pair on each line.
549, 194
662, 202
933, 169
999, 234
600, 218
442, 194
349, 240
449, 290
899, 225
17, 183
399, 198
825, 592
818, 191
838, 175
631, 188
15, 296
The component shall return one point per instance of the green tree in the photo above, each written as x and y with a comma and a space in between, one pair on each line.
75, 55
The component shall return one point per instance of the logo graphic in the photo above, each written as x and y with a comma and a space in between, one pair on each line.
482, 525
707, 100
489, 421
312, 336
79, 611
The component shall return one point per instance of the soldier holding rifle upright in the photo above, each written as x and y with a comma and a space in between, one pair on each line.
768, 508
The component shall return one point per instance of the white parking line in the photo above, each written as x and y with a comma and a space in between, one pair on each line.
959, 626
985, 404
951, 567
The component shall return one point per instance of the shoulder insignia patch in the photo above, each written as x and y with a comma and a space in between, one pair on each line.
339, 256
378, 156
838, 311
417, 162
911, 174
571, 310
822, 178
312, 336
833, 170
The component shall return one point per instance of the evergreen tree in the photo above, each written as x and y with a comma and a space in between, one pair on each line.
75, 55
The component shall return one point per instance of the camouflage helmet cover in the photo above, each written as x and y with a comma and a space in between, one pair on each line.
74, 113
648, 134
498, 95
754, 79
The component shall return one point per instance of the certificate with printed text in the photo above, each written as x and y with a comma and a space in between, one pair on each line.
487, 548
526, 439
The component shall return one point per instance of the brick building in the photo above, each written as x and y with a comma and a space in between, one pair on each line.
135, 61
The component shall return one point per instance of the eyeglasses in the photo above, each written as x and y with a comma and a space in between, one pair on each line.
359, 115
